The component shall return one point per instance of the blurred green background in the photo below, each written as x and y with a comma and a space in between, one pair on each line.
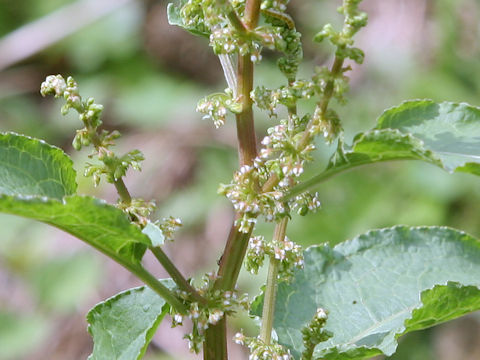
149, 76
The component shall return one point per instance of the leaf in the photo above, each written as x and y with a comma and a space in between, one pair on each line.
34, 180
377, 287
443, 134
451, 131
123, 326
32, 167
99, 224
175, 18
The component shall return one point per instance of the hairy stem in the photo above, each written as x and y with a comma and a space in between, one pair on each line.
271, 287
176, 275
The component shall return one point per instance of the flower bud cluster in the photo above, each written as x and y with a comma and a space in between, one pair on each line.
288, 95
169, 227
138, 210
323, 76
216, 107
278, 5
289, 63
280, 155
261, 351
243, 192
343, 40
306, 202
219, 303
314, 333
113, 166
327, 124
289, 255
202, 15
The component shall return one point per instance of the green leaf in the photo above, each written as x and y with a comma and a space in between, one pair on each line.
443, 134
37, 180
99, 224
175, 18
377, 287
31, 167
123, 326
451, 131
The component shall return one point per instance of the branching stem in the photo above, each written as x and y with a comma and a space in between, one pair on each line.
176, 275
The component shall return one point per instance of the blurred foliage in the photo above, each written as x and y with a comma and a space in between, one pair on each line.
112, 60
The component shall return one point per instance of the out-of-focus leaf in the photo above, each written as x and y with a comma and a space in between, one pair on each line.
123, 326
20, 334
62, 283
377, 287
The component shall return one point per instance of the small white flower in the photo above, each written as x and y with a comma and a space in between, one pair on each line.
178, 319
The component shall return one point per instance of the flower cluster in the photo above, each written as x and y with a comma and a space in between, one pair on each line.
112, 166
169, 226
287, 253
138, 210
314, 333
279, 5
216, 107
261, 351
218, 304
343, 40
288, 95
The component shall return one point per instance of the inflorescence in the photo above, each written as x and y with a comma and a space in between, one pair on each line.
261, 189
219, 303
111, 166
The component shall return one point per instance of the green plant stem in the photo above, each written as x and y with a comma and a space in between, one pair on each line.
269, 301
271, 287
232, 15
327, 174
176, 275
122, 190
247, 142
323, 105
215, 346
153, 283
232, 259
